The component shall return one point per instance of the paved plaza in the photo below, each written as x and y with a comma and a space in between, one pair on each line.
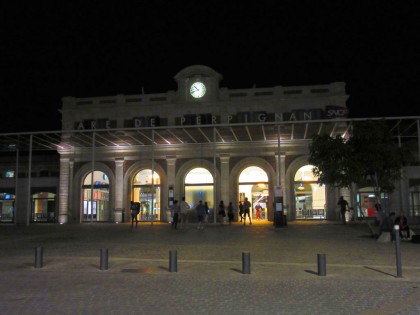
360, 273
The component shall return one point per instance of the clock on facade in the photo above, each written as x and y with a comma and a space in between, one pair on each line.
197, 90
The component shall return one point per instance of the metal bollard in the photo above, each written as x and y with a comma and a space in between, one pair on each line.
246, 263
173, 267
104, 259
322, 265
398, 250
38, 257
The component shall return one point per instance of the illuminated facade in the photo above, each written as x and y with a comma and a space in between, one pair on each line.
204, 142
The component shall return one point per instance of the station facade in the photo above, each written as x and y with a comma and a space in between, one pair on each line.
202, 142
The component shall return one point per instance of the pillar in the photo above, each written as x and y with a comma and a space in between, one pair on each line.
119, 189
224, 179
64, 191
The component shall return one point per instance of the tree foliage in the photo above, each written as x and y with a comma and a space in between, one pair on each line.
370, 153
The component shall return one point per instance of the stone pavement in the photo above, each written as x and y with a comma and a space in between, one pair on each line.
361, 275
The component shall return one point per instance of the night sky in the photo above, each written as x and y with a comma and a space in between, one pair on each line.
89, 48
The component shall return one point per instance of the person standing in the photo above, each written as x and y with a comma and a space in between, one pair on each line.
201, 212
247, 207
402, 222
241, 210
230, 213
135, 209
344, 206
175, 214
258, 210
221, 212
184, 206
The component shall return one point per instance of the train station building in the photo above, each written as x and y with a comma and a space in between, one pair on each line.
202, 142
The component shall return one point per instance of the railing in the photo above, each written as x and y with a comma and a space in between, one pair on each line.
310, 214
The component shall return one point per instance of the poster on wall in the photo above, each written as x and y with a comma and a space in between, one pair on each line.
278, 191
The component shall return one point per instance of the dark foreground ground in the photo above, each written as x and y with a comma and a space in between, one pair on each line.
360, 273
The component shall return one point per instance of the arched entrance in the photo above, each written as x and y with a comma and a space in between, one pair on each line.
253, 184
95, 197
199, 185
309, 195
146, 189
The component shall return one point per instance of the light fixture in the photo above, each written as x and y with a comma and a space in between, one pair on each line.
300, 186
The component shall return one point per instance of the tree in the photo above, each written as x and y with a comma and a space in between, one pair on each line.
370, 153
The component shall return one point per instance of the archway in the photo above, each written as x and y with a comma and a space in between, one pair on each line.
199, 185
95, 197
253, 184
146, 189
309, 195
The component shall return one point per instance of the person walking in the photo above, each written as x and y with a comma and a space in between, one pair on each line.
241, 210
201, 212
184, 206
221, 212
135, 209
247, 207
344, 206
230, 213
175, 214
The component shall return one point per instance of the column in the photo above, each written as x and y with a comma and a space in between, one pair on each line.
170, 171
224, 179
70, 198
171, 162
119, 189
63, 191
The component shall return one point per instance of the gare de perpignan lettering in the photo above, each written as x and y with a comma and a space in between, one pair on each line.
209, 119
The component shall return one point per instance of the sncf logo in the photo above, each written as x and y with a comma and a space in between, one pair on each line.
337, 112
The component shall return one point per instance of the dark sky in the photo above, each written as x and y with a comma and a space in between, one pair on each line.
89, 48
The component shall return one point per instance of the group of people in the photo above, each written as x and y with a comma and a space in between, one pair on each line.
387, 225
179, 212
244, 211
391, 221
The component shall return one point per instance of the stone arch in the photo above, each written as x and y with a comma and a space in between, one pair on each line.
253, 161
188, 166
132, 171
76, 212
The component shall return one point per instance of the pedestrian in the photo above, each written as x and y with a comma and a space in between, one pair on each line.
402, 222
175, 214
184, 206
201, 212
258, 210
221, 212
135, 209
230, 213
344, 206
247, 207
241, 210
206, 206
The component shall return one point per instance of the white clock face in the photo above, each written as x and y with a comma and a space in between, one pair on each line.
198, 90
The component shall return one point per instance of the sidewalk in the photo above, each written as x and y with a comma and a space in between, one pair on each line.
360, 272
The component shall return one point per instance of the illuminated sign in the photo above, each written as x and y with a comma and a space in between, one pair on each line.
330, 112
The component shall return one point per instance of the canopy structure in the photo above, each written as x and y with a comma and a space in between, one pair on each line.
403, 128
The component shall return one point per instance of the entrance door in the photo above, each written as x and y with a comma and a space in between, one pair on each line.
309, 195
253, 184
